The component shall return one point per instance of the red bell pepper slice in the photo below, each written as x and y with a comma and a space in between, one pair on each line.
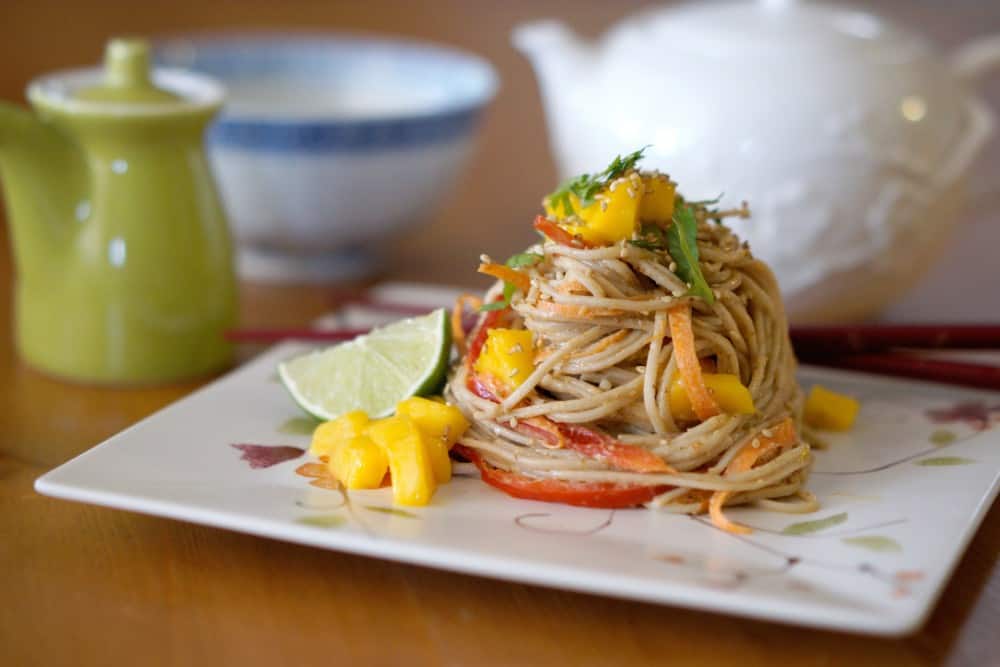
582, 494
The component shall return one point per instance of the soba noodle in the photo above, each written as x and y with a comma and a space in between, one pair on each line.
604, 359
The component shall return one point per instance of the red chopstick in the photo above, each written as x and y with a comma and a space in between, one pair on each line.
854, 339
905, 365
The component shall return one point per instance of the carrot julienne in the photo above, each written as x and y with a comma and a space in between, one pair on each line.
756, 447
682, 335
557, 234
503, 272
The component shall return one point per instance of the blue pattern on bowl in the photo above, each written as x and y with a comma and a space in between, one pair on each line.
463, 84
343, 136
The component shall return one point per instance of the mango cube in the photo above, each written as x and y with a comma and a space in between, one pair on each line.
508, 356
611, 218
829, 410
657, 204
727, 390
442, 426
437, 420
358, 463
329, 434
413, 480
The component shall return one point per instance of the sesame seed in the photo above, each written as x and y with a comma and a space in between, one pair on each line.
767, 433
755, 443
605, 384
513, 422
640, 369
512, 373
515, 349
485, 259
672, 267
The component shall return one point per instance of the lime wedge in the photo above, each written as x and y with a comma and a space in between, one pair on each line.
372, 372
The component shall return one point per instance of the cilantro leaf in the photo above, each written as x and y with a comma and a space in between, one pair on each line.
508, 294
495, 305
622, 165
586, 186
708, 202
651, 237
524, 259
682, 243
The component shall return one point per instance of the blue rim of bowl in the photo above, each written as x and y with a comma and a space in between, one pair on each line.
252, 132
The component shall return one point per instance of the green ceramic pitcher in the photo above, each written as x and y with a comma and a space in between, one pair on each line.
123, 256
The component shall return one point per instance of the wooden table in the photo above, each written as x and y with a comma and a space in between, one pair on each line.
82, 585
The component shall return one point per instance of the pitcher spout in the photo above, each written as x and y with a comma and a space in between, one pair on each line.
43, 176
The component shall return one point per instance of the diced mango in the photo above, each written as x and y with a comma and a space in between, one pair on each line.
611, 218
657, 204
442, 426
727, 390
508, 356
437, 420
409, 459
329, 434
829, 410
358, 463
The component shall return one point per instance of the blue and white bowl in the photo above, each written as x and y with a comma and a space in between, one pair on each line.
329, 144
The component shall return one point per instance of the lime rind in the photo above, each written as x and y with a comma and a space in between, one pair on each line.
372, 372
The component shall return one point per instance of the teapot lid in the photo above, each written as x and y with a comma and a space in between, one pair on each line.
127, 77
126, 85
773, 27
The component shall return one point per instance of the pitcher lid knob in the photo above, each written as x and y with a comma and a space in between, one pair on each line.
127, 76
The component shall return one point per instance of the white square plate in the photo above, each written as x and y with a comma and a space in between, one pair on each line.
902, 495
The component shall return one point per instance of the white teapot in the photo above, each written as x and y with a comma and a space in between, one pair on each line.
848, 135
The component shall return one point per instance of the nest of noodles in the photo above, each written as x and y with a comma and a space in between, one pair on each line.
612, 328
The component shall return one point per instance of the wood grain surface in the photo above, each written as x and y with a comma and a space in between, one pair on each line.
82, 585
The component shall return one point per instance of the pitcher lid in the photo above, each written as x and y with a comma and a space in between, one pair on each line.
127, 77
126, 85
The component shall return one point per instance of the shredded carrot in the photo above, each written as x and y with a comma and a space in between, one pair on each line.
555, 233
682, 334
457, 330
576, 312
756, 447
507, 274
601, 345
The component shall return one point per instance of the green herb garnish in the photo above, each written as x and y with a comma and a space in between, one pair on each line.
524, 259
707, 202
508, 294
587, 186
517, 261
651, 237
682, 243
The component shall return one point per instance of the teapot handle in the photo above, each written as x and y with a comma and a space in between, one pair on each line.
976, 58
971, 62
